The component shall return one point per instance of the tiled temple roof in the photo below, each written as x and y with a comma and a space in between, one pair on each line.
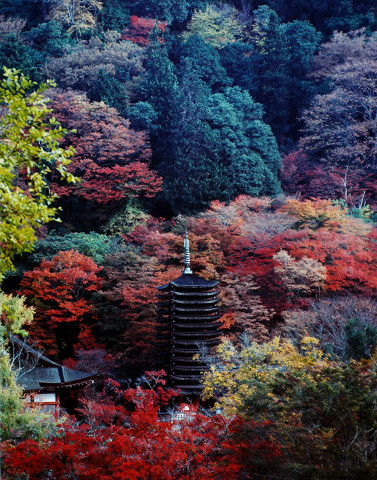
46, 372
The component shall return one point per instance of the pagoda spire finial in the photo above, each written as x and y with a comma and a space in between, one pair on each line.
186, 246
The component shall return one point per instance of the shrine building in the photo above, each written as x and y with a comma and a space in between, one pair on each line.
47, 384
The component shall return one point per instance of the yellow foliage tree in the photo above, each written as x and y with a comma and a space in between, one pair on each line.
239, 375
315, 214
216, 25
321, 411
29, 142
78, 15
303, 276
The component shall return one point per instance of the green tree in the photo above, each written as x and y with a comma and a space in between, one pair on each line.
16, 54
20, 8
143, 116
321, 411
245, 143
216, 25
361, 339
15, 420
159, 88
327, 16
240, 61
111, 91
49, 38
168, 10
192, 175
218, 146
274, 66
114, 15
205, 61
93, 245
29, 150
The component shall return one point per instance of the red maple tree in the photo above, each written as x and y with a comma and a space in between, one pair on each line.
111, 160
124, 438
140, 29
59, 289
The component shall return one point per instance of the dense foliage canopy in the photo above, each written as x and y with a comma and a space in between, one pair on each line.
253, 125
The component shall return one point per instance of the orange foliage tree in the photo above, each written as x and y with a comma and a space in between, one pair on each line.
111, 160
270, 255
60, 291
140, 29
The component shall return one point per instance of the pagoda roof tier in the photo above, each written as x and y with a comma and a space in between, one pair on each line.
195, 309
194, 341
189, 389
185, 360
196, 335
198, 295
179, 301
189, 280
184, 368
197, 325
191, 392
193, 377
191, 351
197, 317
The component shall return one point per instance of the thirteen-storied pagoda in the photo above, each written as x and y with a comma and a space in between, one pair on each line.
187, 318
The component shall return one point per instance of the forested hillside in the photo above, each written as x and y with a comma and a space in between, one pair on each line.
250, 124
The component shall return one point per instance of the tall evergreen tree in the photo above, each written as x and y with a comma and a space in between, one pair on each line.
239, 61
16, 54
168, 10
273, 67
50, 39
205, 61
159, 88
114, 15
192, 175
218, 147
111, 91
245, 143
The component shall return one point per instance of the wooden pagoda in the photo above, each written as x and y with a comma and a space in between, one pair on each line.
188, 315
